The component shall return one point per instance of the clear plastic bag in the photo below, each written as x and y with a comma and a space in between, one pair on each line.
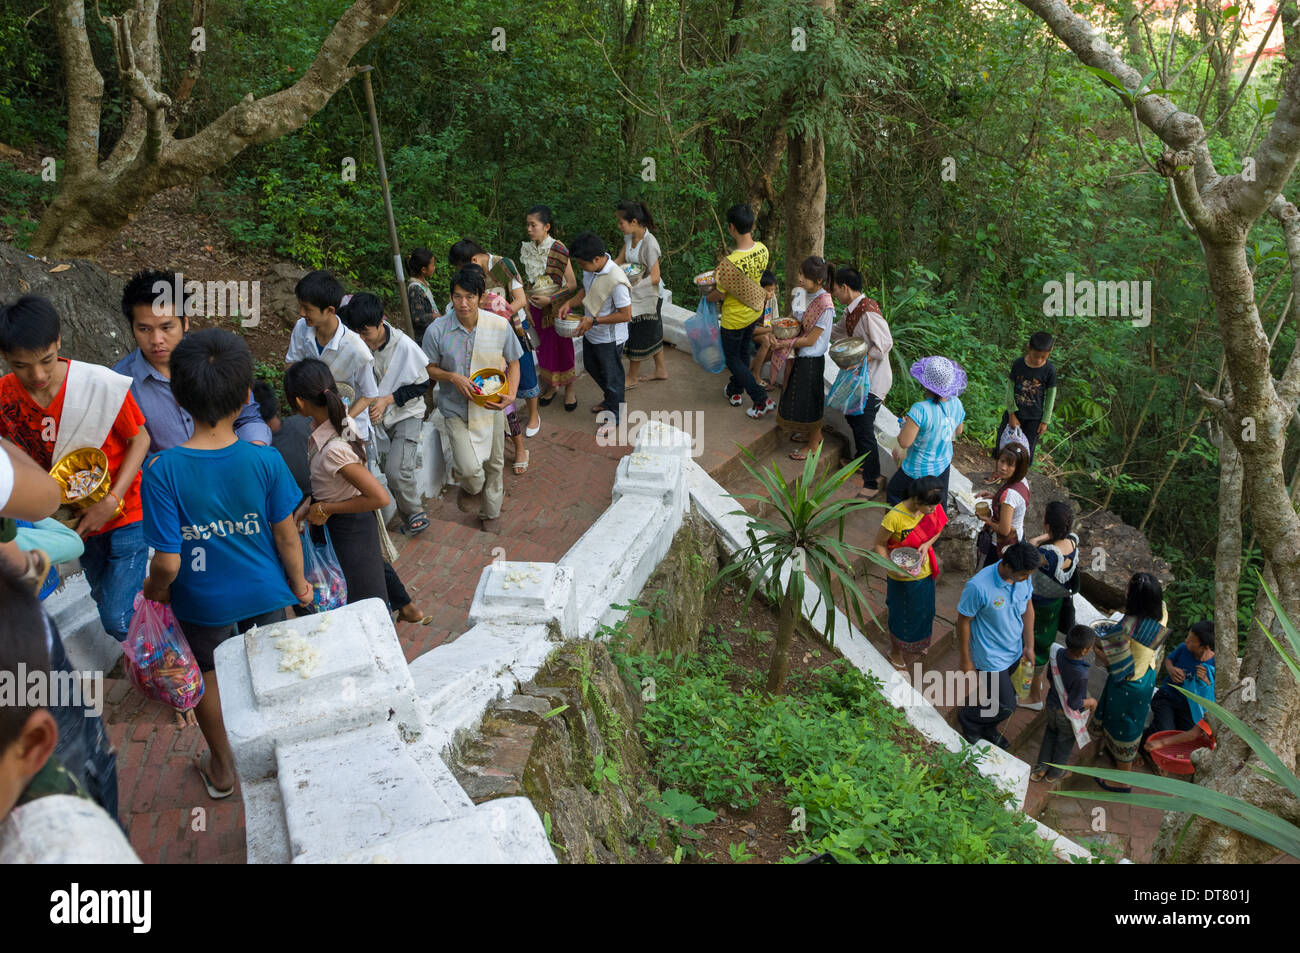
321, 567
850, 391
157, 658
706, 337
1013, 435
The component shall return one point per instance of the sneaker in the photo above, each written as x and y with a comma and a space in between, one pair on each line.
756, 411
734, 401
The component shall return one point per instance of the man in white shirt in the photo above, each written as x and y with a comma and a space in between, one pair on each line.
399, 369
320, 334
606, 297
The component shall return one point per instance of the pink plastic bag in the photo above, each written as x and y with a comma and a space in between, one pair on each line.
158, 659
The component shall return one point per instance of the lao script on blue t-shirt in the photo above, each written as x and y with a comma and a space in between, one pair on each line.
216, 509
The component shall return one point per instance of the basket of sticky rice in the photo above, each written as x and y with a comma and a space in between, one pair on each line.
486, 384
634, 271
83, 475
705, 283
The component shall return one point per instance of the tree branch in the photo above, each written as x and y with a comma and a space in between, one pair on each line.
1288, 216
1177, 129
252, 122
1275, 158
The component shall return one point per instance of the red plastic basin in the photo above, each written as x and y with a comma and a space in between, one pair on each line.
1177, 758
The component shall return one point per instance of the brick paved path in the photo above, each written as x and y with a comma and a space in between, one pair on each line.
170, 816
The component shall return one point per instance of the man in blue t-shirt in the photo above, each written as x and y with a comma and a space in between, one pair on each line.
218, 512
995, 631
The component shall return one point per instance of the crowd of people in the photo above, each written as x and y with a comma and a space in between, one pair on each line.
228, 494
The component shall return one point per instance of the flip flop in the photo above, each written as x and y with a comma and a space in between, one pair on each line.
1113, 788
596, 409
416, 525
652, 378
213, 791
864, 495
1038, 774
522, 467
798, 438
799, 455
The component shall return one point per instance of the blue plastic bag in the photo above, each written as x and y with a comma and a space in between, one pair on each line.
706, 337
850, 391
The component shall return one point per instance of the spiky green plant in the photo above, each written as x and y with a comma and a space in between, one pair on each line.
1185, 797
804, 532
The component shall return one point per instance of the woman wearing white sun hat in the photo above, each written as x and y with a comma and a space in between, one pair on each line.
929, 427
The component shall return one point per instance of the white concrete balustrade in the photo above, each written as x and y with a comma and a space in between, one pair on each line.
347, 765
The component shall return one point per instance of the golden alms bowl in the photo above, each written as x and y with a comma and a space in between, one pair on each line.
494, 382
75, 473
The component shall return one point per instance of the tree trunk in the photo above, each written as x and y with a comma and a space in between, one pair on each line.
805, 202
805, 187
780, 664
1227, 567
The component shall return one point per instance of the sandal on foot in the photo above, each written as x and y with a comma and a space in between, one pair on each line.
799, 455
521, 466
1113, 788
214, 792
1038, 774
416, 525
798, 438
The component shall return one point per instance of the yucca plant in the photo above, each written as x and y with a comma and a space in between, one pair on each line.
1188, 798
804, 531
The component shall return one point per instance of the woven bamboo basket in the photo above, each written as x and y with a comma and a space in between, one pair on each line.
739, 285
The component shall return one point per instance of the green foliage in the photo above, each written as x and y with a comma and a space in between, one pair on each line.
1048, 180
869, 790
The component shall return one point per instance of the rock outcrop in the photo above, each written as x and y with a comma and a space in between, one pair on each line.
88, 299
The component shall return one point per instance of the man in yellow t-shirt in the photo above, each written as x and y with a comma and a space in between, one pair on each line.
736, 319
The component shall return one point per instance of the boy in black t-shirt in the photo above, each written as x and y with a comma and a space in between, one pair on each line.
1031, 391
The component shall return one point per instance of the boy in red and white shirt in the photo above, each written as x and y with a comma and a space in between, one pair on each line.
50, 406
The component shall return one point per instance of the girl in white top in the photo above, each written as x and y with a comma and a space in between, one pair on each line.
646, 332
1012, 499
803, 401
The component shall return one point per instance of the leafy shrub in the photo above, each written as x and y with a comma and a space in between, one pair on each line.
869, 788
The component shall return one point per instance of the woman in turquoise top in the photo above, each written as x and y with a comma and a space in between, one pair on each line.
930, 427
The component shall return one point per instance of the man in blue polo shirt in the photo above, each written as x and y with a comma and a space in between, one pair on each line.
995, 630
158, 329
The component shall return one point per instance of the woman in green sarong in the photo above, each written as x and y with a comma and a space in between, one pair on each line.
1130, 651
